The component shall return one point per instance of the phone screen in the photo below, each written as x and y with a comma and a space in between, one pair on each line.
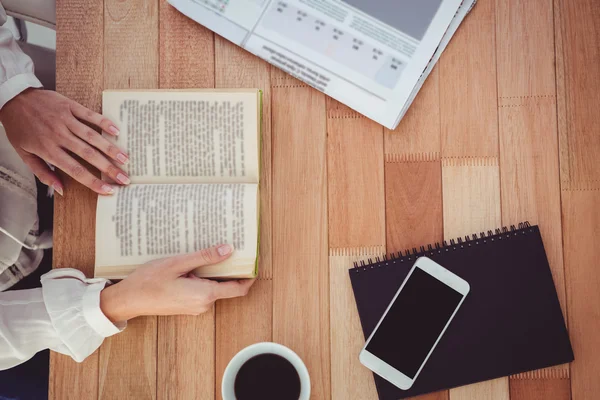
414, 322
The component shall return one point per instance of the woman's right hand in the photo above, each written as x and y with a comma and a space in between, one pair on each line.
46, 127
167, 287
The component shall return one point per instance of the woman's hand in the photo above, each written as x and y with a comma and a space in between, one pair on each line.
43, 125
167, 287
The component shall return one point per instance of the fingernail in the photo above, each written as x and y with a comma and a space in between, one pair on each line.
122, 158
108, 189
58, 189
113, 129
224, 249
123, 179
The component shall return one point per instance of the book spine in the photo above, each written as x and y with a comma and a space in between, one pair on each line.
439, 247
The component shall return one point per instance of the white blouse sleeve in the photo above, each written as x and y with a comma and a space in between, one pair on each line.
63, 315
16, 68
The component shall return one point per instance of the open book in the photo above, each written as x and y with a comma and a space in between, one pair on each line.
194, 169
371, 55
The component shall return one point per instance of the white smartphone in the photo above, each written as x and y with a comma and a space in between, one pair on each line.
414, 322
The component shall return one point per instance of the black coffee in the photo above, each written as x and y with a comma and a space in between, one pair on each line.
267, 377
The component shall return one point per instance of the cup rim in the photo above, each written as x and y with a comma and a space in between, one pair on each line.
234, 365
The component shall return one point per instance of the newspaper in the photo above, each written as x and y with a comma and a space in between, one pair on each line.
372, 56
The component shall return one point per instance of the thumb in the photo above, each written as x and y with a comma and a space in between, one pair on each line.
213, 255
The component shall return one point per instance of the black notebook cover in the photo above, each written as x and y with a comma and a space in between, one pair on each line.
510, 322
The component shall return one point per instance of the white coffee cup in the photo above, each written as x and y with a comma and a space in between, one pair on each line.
228, 384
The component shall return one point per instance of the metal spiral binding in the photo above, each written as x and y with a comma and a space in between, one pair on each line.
413, 254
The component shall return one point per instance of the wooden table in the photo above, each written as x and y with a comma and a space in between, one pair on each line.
506, 129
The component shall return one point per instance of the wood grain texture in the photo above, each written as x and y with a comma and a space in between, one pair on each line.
471, 193
561, 99
413, 191
186, 51
130, 44
240, 323
418, 134
576, 25
525, 48
128, 361
540, 389
282, 79
579, 25
355, 182
528, 133
550, 383
413, 204
300, 258
235, 67
186, 344
581, 229
496, 389
530, 181
79, 63
335, 109
68, 378
530, 174
506, 120
185, 358
468, 114
349, 379
440, 395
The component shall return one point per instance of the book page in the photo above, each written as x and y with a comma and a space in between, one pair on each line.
187, 136
140, 223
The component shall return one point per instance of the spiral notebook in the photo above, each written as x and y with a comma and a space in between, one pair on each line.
510, 322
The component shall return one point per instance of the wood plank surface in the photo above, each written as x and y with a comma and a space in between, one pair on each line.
300, 254
540, 388
505, 129
240, 323
186, 51
468, 115
581, 232
235, 67
413, 190
471, 192
577, 24
417, 137
186, 344
355, 174
349, 378
529, 144
355, 182
525, 48
496, 389
413, 193
79, 64
131, 44
469, 146
530, 174
128, 361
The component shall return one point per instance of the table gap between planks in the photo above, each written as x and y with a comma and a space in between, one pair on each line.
505, 129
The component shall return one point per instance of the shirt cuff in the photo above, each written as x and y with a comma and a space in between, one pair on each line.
93, 313
73, 305
15, 85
